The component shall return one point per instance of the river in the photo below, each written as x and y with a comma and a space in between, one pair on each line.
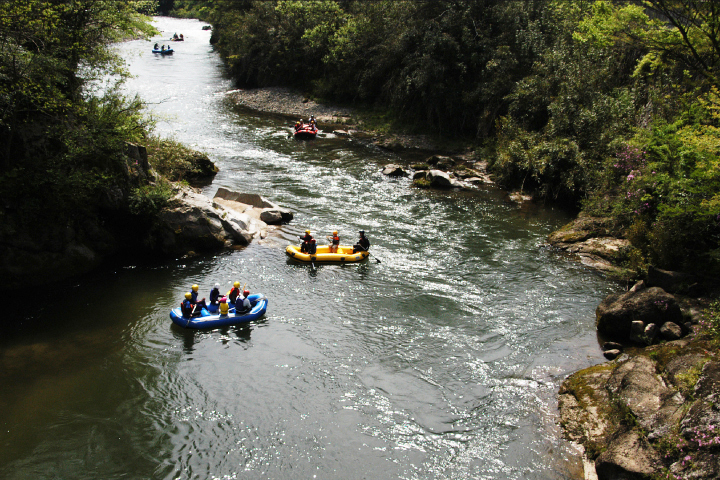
440, 361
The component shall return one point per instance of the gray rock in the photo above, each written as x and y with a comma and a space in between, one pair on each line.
612, 346
441, 162
393, 170
580, 389
637, 385
439, 179
628, 457
252, 199
484, 180
651, 332
671, 331
616, 312
637, 330
612, 354
191, 222
271, 216
639, 286
709, 382
519, 197
252, 204
420, 175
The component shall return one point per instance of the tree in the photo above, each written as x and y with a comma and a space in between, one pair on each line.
49, 121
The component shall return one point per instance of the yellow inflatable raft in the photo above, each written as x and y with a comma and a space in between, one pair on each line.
344, 254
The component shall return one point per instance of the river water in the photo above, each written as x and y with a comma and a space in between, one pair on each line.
442, 361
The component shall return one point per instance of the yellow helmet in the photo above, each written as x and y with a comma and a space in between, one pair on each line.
307, 231
188, 295
335, 232
236, 284
195, 288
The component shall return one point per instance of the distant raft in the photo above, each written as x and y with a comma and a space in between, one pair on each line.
344, 254
306, 131
210, 320
167, 51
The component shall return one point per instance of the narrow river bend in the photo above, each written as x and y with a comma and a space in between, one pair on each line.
441, 362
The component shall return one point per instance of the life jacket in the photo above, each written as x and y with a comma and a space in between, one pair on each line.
336, 240
241, 306
234, 293
214, 295
312, 247
186, 307
224, 307
194, 295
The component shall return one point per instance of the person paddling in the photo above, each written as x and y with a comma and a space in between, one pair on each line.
306, 240
194, 294
215, 296
189, 308
363, 244
234, 292
242, 304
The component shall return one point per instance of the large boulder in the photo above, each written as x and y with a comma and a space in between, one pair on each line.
191, 222
654, 405
594, 240
254, 205
439, 179
649, 410
615, 314
271, 216
583, 425
251, 199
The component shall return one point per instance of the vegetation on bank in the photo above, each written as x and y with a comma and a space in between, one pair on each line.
608, 106
61, 143
70, 179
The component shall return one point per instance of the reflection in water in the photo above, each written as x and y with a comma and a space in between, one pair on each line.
440, 362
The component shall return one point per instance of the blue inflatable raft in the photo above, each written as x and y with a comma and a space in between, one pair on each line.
164, 52
215, 320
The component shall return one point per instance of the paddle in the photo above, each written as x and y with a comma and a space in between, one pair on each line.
191, 315
376, 259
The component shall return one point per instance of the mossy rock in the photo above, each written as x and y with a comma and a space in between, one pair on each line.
422, 183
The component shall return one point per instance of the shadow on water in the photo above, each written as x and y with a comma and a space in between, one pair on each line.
190, 336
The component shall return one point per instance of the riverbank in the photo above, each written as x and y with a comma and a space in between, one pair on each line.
342, 120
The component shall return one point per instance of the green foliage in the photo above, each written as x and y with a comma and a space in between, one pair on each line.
61, 146
686, 381
444, 64
712, 325
668, 195
147, 201
173, 160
